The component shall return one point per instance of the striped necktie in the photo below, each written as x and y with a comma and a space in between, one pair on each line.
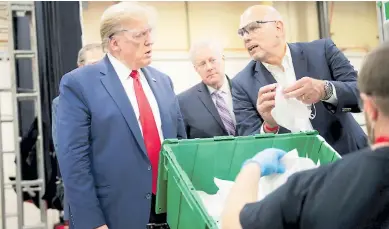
224, 113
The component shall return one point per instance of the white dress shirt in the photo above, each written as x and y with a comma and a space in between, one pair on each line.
226, 94
287, 76
128, 83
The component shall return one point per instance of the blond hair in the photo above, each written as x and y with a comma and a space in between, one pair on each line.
115, 15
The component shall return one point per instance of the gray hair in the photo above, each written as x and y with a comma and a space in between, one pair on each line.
115, 15
373, 77
212, 44
82, 53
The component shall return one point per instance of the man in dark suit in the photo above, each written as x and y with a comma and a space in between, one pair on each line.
316, 73
112, 117
89, 54
207, 107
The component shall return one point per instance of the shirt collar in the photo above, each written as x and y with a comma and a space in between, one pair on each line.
122, 70
224, 88
285, 61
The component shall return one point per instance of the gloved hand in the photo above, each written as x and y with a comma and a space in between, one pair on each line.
269, 161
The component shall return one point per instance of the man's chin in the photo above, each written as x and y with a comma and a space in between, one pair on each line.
146, 62
257, 56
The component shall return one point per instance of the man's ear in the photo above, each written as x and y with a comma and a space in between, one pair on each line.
113, 43
369, 107
280, 27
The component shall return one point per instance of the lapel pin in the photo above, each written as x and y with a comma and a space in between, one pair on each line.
154, 79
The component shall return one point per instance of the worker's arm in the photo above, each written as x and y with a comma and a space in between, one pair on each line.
280, 209
245, 189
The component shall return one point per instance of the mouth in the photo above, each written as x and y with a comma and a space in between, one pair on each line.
252, 47
148, 53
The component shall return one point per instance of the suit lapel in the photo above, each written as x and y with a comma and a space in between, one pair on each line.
166, 121
262, 75
114, 87
206, 99
300, 62
229, 82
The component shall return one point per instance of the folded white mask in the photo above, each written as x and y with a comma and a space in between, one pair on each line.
291, 113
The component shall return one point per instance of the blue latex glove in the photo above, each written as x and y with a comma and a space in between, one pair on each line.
269, 161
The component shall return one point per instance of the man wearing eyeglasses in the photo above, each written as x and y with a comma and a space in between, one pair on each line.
112, 117
207, 106
316, 73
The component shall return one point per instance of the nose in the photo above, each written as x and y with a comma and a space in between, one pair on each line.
149, 39
209, 66
246, 38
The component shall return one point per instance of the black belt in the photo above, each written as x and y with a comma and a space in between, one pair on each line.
157, 226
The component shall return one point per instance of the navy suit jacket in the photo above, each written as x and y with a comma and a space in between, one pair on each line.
320, 59
54, 107
200, 114
101, 152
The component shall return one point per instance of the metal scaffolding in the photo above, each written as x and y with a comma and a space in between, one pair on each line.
324, 22
22, 9
383, 20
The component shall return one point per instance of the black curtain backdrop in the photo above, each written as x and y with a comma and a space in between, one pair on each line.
59, 40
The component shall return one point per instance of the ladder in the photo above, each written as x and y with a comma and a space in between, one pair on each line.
383, 20
22, 9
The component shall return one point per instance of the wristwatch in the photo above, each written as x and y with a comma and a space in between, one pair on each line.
328, 90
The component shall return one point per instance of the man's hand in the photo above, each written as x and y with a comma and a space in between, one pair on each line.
269, 161
103, 227
307, 89
266, 102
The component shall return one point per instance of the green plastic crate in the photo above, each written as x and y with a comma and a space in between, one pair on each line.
189, 165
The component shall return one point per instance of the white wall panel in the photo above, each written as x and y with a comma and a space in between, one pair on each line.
180, 69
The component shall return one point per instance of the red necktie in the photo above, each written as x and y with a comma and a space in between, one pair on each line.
149, 128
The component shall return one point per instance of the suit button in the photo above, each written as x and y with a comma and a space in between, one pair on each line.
148, 196
149, 167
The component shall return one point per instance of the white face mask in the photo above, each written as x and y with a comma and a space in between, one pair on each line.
291, 114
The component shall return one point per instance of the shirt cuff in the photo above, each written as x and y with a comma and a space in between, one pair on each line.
262, 131
333, 99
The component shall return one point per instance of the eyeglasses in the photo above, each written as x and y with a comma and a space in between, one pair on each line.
252, 27
136, 35
203, 64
